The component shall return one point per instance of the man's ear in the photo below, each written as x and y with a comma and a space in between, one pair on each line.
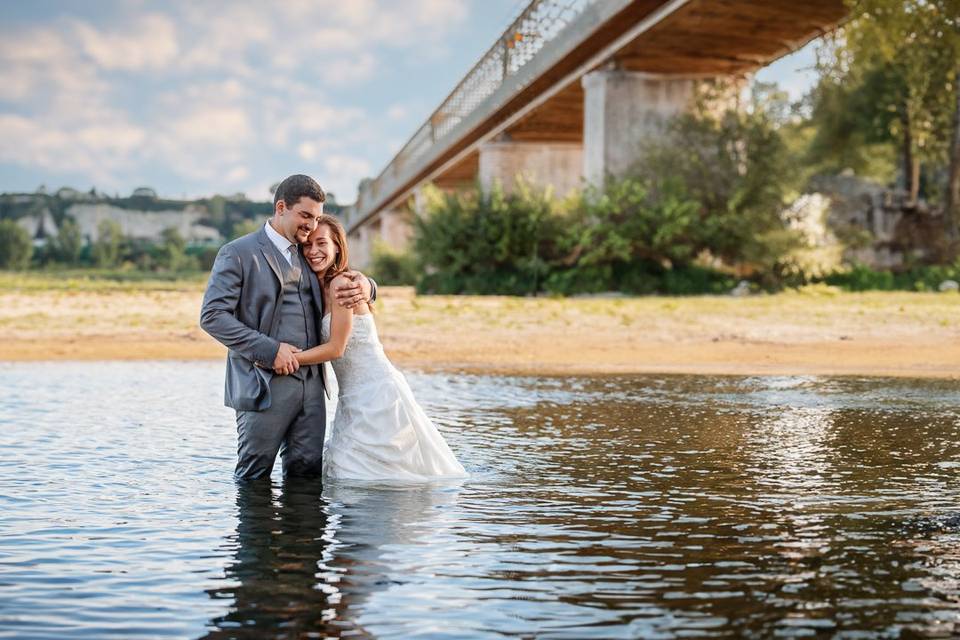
280, 207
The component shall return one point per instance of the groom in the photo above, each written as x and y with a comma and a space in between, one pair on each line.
264, 304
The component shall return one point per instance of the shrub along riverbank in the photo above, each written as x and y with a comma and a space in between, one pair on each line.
702, 212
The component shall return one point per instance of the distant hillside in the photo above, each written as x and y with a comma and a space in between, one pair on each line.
142, 215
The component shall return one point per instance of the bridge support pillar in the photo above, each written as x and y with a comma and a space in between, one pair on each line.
396, 228
622, 111
391, 227
361, 246
542, 164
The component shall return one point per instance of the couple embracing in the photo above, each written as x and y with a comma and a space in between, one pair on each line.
284, 301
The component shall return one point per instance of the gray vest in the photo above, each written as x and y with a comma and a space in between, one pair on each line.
298, 321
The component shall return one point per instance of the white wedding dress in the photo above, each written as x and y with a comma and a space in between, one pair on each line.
379, 431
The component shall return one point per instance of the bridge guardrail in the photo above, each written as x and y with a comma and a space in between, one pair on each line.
539, 23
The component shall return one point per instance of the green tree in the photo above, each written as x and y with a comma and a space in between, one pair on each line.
851, 127
486, 241
245, 226
16, 247
915, 46
391, 267
736, 166
106, 249
67, 246
172, 253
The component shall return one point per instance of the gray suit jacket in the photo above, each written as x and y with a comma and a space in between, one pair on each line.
241, 310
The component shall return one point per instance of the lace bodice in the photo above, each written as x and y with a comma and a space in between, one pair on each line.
363, 359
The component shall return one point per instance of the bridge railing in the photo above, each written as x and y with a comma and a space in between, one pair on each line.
536, 25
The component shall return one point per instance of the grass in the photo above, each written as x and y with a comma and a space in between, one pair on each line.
817, 303
807, 330
99, 281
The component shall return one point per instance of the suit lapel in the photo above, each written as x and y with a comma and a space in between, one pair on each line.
270, 254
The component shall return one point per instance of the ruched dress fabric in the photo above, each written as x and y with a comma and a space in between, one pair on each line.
379, 431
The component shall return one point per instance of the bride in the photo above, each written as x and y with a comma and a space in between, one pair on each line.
379, 431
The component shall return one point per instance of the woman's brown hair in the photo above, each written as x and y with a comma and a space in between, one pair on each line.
342, 261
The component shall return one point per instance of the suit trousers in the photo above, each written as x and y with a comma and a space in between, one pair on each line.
294, 425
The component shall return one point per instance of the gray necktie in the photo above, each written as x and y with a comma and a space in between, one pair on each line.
294, 260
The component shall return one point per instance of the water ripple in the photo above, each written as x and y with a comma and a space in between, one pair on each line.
610, 507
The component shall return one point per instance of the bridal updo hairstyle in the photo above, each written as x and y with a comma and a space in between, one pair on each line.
341, 262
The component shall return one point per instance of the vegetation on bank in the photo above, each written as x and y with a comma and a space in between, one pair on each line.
702, 210
700, 214
100, 280
112, 250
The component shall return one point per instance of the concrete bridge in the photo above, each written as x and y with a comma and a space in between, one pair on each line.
569, 92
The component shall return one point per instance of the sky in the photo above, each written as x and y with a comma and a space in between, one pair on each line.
197, 98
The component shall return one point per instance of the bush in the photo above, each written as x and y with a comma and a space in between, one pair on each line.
695, 279
393, 267
712, 186
922, 278
68, 244
626, 235
486, 242
16, 247
107, 248
172, 252
739, 170
205, 256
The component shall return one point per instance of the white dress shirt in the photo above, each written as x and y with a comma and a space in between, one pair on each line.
281, 243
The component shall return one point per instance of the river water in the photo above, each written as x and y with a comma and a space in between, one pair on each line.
614, 507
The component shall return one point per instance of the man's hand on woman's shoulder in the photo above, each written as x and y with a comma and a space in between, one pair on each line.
353, 289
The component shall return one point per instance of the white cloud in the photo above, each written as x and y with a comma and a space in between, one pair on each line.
254, 89
307, 150
397, 112
150, 42
211, 125
41, 64
302, 116
237, 174
95, 150
342, 173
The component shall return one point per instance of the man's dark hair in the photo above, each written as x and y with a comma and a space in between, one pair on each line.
297, 186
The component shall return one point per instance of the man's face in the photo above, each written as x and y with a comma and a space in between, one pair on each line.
297, 222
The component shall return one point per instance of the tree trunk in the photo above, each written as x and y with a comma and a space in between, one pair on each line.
914, 180
951, 209
911, 167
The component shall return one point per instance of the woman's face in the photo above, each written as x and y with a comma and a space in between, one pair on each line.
320, 249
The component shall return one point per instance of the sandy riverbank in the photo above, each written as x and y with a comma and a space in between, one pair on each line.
813, 332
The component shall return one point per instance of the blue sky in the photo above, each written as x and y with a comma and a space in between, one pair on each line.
196, 98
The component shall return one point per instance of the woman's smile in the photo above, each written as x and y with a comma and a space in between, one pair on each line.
317, 260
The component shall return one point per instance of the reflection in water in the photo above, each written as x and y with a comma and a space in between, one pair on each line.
380, 531
306, 558
617, 507
279, 551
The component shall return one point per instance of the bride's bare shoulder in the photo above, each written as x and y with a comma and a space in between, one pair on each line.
343, 280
